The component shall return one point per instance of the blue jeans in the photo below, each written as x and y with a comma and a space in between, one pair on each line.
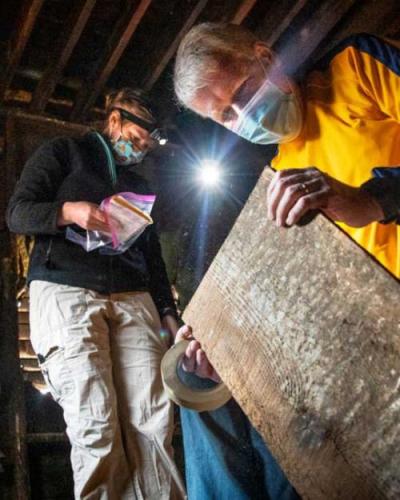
226, 458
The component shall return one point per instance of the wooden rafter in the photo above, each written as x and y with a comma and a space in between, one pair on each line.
161, 65
115, 47
61, 54
319, 23
272, 27
30, 11
287, 20
243, 11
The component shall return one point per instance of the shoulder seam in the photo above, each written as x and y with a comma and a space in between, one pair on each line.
381, 50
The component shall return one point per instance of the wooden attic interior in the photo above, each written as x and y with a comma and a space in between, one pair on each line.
59, 58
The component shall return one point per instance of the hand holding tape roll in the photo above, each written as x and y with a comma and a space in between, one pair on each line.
176, 383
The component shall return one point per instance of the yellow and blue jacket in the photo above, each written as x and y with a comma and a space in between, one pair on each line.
351, 131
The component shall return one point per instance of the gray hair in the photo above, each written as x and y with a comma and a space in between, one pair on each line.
206, 49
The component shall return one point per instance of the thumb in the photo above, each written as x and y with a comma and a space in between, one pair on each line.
185, 332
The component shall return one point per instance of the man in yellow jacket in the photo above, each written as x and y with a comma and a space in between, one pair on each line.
338, 133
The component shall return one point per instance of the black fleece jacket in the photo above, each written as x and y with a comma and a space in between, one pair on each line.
76, 169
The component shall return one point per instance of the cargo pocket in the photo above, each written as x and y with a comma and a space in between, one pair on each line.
57, 374
69, 304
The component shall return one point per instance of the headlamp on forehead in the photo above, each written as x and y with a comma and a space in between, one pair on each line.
156, 132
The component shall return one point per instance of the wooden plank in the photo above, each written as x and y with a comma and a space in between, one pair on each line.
116, 45
61, 54
23, 331
30, 364
23, 355
304, 328
170, 52
30, 11
26, 349
23, 304
34, 377
47, 437
27, 370
23, 317
243, 11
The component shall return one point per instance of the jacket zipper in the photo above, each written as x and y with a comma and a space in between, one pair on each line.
113, 175
47, 261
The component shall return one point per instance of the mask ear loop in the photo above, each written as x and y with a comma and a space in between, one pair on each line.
120, 134
133, 143
121, 125
127, 140
293, 88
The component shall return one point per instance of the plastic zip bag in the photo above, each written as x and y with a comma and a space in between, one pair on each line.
128, 215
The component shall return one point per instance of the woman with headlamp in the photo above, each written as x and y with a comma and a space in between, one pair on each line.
100, 324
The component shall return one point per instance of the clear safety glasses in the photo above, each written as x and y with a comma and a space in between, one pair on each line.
156, 133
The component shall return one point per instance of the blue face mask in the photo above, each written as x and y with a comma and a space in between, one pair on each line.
270, 117
126, 154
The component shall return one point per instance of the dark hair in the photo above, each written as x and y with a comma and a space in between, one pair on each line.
129, 96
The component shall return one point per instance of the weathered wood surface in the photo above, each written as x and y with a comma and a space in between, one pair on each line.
304, 328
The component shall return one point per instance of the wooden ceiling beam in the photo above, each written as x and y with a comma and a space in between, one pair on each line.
20, 100
300, 46
273, 26
29, 13
243, 11
116, 45
170, 52
286, 21
61, 54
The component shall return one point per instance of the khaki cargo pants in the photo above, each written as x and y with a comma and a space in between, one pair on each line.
101, 360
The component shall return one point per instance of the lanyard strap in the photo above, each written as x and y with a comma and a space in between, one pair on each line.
110, 159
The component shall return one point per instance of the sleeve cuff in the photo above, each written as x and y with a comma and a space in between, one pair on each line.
381, 189
168, 311
56, 229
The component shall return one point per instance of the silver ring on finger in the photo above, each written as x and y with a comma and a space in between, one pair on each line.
304, 188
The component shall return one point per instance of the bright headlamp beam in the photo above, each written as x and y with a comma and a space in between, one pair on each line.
209, 172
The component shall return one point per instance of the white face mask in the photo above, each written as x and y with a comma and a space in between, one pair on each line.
271, 116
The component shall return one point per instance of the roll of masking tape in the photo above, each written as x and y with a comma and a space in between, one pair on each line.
181, 393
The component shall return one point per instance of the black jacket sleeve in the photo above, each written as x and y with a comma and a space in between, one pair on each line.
160, 287
385, 188
33, 208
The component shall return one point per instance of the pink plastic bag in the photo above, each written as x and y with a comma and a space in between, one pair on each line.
128, 215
